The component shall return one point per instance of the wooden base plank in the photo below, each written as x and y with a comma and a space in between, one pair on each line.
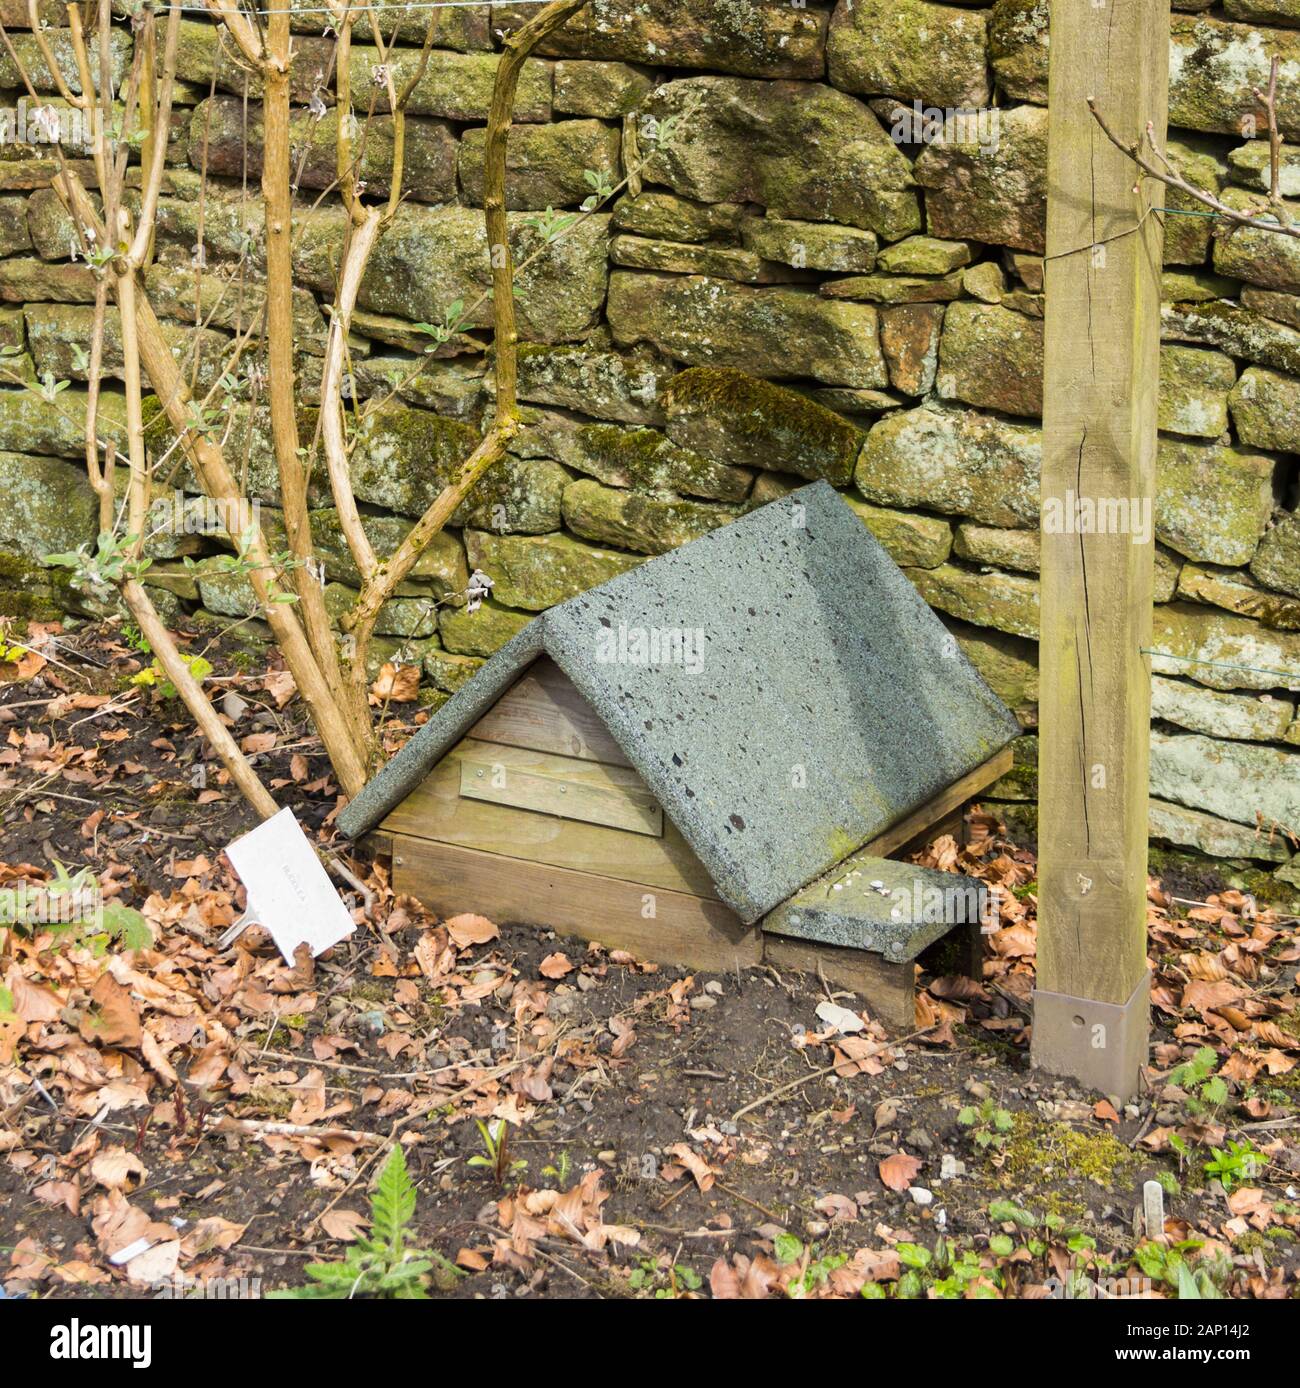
888, 990
686, 930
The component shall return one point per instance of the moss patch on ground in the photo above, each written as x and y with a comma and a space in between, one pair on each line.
1038, 1152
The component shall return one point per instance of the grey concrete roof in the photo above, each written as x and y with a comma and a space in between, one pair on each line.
880, 904
827, 701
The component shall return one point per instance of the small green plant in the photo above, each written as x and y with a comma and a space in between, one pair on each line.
135, 638
496, 1152
243, 564
72, 908
1177, 1267
381, 1265
106, 566
452, 322
664, 1282
551, 225
560, 1168
1237, 1163
601, 189
1206, 1092
154, 677
1041, 1231
203, 420
49, 388
949, 1271
11, 655
816, 1270
988, 1124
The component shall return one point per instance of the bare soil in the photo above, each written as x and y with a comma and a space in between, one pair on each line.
630, 1169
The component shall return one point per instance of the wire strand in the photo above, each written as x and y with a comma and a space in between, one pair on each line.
1224, 664
1264, 223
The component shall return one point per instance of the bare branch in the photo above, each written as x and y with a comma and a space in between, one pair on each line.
1269, 98
160, 118
245, 36
361, 242
1165, 172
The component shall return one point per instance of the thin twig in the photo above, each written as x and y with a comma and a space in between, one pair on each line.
782, 1089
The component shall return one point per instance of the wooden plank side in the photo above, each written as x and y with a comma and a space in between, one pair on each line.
930, 815
543, 712
888, 990
435, 810
566, 786
665, 926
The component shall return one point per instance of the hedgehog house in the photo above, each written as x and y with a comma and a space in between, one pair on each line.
708, 760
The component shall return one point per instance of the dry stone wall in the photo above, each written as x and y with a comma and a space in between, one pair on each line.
833, 270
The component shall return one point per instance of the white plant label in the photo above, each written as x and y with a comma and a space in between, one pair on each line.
289, 893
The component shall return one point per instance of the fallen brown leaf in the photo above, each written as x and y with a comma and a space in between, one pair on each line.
899, 1171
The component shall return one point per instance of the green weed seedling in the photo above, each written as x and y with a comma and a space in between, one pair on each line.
988, 1124
670, 1283
495, 1156
1175, 1266
560, 1168
1206, 1092
1040, 1231
105, 567
1238, 1163
70, 908
381, 1265
816, 1269
949, 1270
153, 676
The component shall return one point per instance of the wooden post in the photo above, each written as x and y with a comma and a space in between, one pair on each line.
1099, 438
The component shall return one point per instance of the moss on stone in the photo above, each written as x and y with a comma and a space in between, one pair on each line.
1018, 32
634, 521
1007, 602
1266, 409
731, 415
911, 50
482, 632
1212, 502
992, 358
1241, 332
1216, 68
31, 593
1237, 591
770, 330
534, 572
647, 458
